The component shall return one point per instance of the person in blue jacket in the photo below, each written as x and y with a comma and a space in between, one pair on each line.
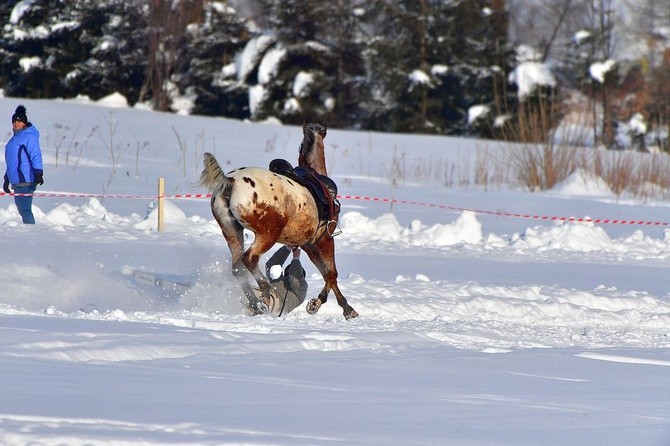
23, 157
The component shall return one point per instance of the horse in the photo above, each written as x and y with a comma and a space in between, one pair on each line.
277, 209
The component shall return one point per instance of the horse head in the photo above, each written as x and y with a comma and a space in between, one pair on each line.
311, 148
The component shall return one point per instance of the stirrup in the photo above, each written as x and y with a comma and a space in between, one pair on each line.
333, 228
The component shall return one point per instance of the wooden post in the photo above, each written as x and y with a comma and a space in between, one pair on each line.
161, 204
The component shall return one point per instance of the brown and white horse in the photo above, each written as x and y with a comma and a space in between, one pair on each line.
277, 210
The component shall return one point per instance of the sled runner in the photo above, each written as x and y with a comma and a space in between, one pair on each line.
174, 286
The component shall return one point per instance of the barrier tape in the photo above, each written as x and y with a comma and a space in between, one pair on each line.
374, 199
508, 214
75, 195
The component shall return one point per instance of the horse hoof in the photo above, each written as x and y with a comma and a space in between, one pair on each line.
313, 306
261, 308
350, 315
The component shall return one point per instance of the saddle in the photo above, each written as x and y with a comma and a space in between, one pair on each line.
322, 188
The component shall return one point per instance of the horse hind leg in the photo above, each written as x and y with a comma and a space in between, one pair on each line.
233, 232
250, 286
240, 270
262, 244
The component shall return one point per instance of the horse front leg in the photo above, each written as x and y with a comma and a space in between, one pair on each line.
348, 311
314, 304
323, 257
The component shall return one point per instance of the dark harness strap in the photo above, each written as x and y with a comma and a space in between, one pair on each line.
283, 302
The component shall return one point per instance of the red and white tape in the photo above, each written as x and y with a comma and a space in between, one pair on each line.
508, 214
374, 199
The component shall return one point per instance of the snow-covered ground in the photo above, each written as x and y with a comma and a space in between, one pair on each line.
475, 328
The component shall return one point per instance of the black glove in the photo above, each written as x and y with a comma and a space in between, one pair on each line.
38, 177
5, 185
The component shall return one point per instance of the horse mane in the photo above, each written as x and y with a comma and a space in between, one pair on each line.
311, 148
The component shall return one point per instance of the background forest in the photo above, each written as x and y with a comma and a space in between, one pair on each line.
519, 70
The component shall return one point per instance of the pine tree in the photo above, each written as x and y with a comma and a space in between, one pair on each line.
406, 65
342, 30
116, 61
211, 45
40, 48
6, 67
315, 70
64, 48
431, 60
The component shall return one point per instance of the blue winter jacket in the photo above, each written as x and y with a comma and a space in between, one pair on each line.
23, 156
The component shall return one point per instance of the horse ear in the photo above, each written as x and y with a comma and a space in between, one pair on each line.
323, 131
304, 128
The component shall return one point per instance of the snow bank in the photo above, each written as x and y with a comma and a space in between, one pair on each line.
114, 100
582, 183
359, 229
381, 233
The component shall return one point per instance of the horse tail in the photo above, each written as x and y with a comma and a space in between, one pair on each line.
212, 176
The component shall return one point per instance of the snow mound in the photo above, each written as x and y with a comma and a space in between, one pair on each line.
578, 237
114, 100
357, 228
582, 183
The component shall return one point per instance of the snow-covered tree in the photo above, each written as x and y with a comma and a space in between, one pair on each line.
167, 22
56, 48
208, 53
314, 69
438, 66
116, 60
431, 60
658, 107
147, 50
535, 112
40, 43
